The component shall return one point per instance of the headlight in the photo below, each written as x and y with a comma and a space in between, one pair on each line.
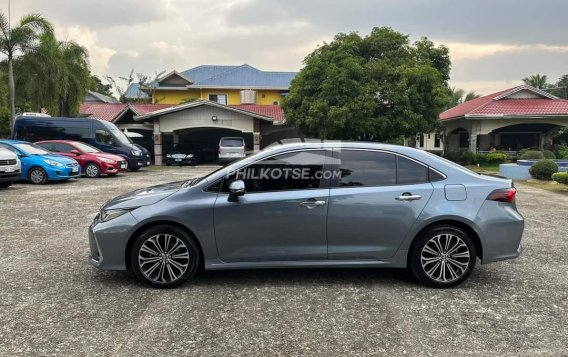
108, 214
108, 161
53, 163
168, 155
190, 156
136, 152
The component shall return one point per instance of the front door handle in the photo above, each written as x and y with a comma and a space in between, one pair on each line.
312, 203
408, 197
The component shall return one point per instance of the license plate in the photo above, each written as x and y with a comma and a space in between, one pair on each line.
178, 160
148, 163
9, 169
122, 165
74, 169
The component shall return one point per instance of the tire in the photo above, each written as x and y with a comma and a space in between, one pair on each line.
134, 169
92, 170
37, 176
5, 184
445, 247
164, 271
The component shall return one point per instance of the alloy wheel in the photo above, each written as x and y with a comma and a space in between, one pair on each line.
92, 170
163, 258
37, 176
445, 258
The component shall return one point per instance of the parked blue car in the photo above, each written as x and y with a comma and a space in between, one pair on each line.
40, 165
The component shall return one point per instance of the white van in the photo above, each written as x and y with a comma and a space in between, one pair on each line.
231, 149
9, 168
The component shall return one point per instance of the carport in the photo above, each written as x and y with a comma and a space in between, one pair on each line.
202, 123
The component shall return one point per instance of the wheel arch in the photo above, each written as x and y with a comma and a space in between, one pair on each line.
151, 224
450, 222
37, 166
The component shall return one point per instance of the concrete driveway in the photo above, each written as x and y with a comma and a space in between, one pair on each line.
53, 303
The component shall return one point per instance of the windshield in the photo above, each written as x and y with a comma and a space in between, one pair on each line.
121, 136
32, 149
86, 148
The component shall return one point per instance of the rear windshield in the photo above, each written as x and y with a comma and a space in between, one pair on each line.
232, 142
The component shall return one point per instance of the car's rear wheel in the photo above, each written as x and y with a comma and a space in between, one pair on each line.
37, 176
164, 257
92, 170
443, 256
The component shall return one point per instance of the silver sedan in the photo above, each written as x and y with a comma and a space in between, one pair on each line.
314, 205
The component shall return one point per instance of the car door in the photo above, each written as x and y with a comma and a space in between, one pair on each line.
281, 216
373, 203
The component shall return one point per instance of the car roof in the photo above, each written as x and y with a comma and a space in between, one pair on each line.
58, 141
10, 141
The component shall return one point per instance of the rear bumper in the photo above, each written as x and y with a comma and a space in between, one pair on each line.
502, 228
226, 158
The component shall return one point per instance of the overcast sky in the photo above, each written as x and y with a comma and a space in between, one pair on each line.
493, 43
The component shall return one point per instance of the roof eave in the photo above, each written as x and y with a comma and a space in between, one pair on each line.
236, 87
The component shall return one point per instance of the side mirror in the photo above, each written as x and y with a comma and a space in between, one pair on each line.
236, 189
76, 152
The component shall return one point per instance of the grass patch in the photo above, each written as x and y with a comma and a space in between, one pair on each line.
548, 186
484, 169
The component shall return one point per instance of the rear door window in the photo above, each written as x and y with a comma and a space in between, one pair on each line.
232, 142
361, 168
410, 172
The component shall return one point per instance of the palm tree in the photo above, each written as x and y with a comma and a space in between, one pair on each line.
56, 75
471, 95
22, 38
536, 80
459, 96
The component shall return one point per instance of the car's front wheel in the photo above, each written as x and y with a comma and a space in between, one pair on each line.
37, 176
92, 170
164, 257
443, 256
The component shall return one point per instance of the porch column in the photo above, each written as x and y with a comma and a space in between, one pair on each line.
473, 143
256, 135
157, 143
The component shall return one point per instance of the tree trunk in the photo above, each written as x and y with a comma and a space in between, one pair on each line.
12, 93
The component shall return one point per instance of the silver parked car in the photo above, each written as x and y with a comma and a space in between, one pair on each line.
314, 205
231, 149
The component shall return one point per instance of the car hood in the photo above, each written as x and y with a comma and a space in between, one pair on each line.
59, 158
108, 156
145, 196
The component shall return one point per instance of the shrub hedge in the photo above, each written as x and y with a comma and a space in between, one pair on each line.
532, 155
544, 169
561, 177
548, 155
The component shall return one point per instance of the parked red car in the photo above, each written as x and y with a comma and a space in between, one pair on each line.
94, 162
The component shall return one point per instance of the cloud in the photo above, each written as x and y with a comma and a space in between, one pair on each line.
98, 55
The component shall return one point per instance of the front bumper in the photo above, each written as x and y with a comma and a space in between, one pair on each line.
9, 176
63, 173
113, 169
108, 242
138, 161
184, 161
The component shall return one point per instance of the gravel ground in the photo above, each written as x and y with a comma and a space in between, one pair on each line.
53, 303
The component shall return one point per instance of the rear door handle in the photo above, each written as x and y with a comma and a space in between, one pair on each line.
408, 197
311, 203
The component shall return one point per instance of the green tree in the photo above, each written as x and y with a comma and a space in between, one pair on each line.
97, 85
458, 96
22, 38
55, 76
379, 87
537, 80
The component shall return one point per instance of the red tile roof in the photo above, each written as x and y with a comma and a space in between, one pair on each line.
104, 111
110, 111
274, 111
499, 104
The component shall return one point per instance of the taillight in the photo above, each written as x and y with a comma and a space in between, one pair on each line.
503, 195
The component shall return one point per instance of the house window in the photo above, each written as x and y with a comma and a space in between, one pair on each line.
437, 141
421, 140
219, 98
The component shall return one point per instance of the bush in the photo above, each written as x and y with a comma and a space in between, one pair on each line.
544, 169
562, 152
495, 158
561, 177
468, 158
548, 155
452, 156
532, 155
